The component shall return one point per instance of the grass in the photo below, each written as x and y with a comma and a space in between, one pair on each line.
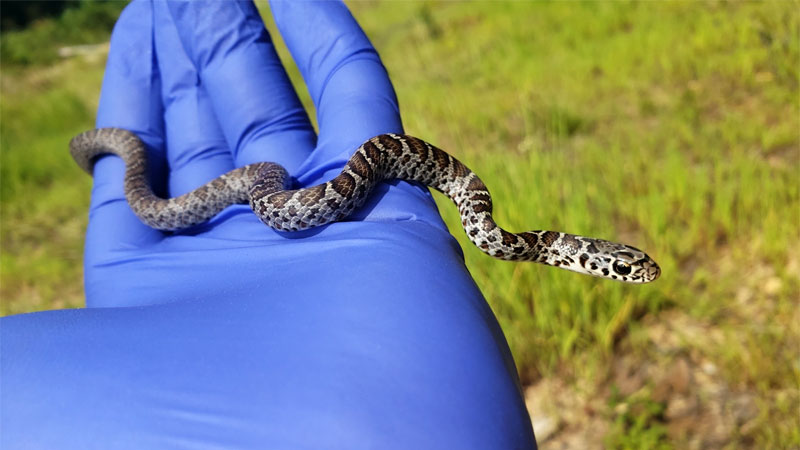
38, 44
638, 425
670, 126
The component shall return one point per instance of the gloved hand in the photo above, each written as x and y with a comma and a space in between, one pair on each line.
367, 333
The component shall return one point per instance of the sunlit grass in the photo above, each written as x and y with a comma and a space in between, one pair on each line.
44, 197
670, 126
673, 127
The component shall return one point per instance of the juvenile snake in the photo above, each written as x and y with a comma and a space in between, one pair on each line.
388, 156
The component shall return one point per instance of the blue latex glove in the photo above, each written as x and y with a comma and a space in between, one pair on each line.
368, 333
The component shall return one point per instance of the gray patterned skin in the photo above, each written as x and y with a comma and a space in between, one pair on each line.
179, 212
384, 157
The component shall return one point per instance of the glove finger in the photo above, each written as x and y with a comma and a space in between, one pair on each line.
254, 101
355, 100
130, 99
347, 81
197, 150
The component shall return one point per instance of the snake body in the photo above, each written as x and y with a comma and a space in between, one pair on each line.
388, 156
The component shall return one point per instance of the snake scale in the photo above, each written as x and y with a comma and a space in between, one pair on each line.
265, 186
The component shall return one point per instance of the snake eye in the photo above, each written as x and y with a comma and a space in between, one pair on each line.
621, 268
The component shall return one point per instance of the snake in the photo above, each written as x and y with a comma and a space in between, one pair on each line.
267, 186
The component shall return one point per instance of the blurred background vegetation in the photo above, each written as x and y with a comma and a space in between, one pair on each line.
673, 126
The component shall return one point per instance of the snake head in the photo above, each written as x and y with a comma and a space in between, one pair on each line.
617, 261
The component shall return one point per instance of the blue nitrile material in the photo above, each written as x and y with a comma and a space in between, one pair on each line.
368, 333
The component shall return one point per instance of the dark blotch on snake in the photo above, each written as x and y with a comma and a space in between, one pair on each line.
279, 199
475, 184
481, 207
372, 152
360, 166
391, 145
311, 196
344, 184
481, 197
548, 237
509, 239
530, 238
583, 258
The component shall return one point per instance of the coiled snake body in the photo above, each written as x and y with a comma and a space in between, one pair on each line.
388, 156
